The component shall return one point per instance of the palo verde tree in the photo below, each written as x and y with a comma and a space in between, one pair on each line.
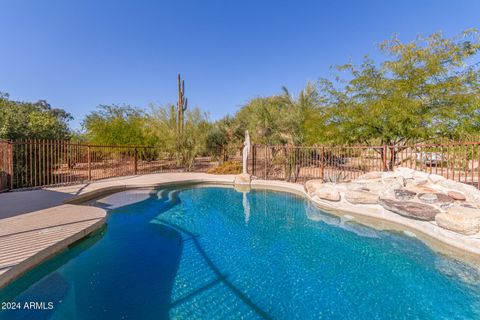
425, 89
117, 125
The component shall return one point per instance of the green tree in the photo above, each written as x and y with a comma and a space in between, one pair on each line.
220, 139
118, 125
27, 120
281, 119
426, 89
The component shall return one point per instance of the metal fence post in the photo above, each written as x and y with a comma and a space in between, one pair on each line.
136, 161
89, 161
393, 158
322, 164
265, 173
384, 157
478, 166
254, 160
10, 165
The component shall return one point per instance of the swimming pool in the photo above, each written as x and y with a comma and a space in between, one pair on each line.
216, 253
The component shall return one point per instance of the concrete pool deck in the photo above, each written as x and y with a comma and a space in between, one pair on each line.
37, 224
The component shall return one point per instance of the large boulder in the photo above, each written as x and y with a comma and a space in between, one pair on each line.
410, 209
390, 185
374, 175
405, 173
374, 186
358, 186
312, 185
435, 178
461, 219
328, 192
420, 174
471, 193
361, 197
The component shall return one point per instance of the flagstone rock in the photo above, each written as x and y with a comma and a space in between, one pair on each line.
411, 209
312, 185
358, 186
371, 175
420, 188
434, 198
328, 192
460, 219
455, 195
435, 178
361, 197
471, 193
404, 194
405, 173
375, 187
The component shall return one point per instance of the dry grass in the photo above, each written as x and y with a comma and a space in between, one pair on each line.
228, 167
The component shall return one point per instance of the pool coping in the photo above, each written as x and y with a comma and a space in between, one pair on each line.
444, 241
42, 243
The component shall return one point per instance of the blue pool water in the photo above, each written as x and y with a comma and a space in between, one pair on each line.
215, 253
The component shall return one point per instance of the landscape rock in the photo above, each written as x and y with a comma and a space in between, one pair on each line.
460, 219
405, 173
400, 181
434, 198
375, 187
394, 184
409, 193
455, 195
361, 197
435, 178
243, 178
404, 194
411, 209
419, 174
328, 192
371, 175
312, 185
420, 188
416, 182
471, 193
357, 186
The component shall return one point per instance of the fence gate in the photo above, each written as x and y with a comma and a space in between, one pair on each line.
5, 165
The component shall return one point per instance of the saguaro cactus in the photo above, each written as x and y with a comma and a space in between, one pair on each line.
181, 104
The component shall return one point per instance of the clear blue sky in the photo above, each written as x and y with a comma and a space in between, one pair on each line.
79, 54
